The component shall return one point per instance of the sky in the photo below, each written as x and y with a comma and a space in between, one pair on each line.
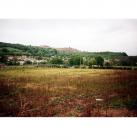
118, 35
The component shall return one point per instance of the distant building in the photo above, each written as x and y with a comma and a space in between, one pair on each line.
21, 63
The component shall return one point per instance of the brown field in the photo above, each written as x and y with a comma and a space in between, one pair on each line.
64, 92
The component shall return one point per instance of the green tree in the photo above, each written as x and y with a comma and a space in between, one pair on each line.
4, 59
76, 60
91, 62
56, 61
99, 60
5, 50
28, 62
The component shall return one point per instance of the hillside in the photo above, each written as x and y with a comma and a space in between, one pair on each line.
44, 46
46, 51
19, 49
106, 55
69, 49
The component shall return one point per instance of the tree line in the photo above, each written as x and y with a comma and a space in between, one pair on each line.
66, 58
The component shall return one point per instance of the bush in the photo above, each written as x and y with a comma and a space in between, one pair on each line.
28, 62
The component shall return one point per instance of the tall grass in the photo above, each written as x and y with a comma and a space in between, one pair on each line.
67, 92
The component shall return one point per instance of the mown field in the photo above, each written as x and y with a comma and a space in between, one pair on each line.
66, 92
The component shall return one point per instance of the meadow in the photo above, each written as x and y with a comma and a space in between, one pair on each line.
67, 92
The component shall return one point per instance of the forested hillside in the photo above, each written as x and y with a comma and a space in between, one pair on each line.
19, 49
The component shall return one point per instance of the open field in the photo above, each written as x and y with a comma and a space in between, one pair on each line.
67, 92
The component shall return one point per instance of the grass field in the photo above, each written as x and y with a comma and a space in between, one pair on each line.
67, 92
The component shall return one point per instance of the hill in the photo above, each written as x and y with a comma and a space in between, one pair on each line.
45, 50
44, 46
19, 49
69, 49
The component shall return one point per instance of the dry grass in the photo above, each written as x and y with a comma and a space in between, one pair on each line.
67, 92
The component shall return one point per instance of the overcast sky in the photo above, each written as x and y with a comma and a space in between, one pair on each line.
87, 35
